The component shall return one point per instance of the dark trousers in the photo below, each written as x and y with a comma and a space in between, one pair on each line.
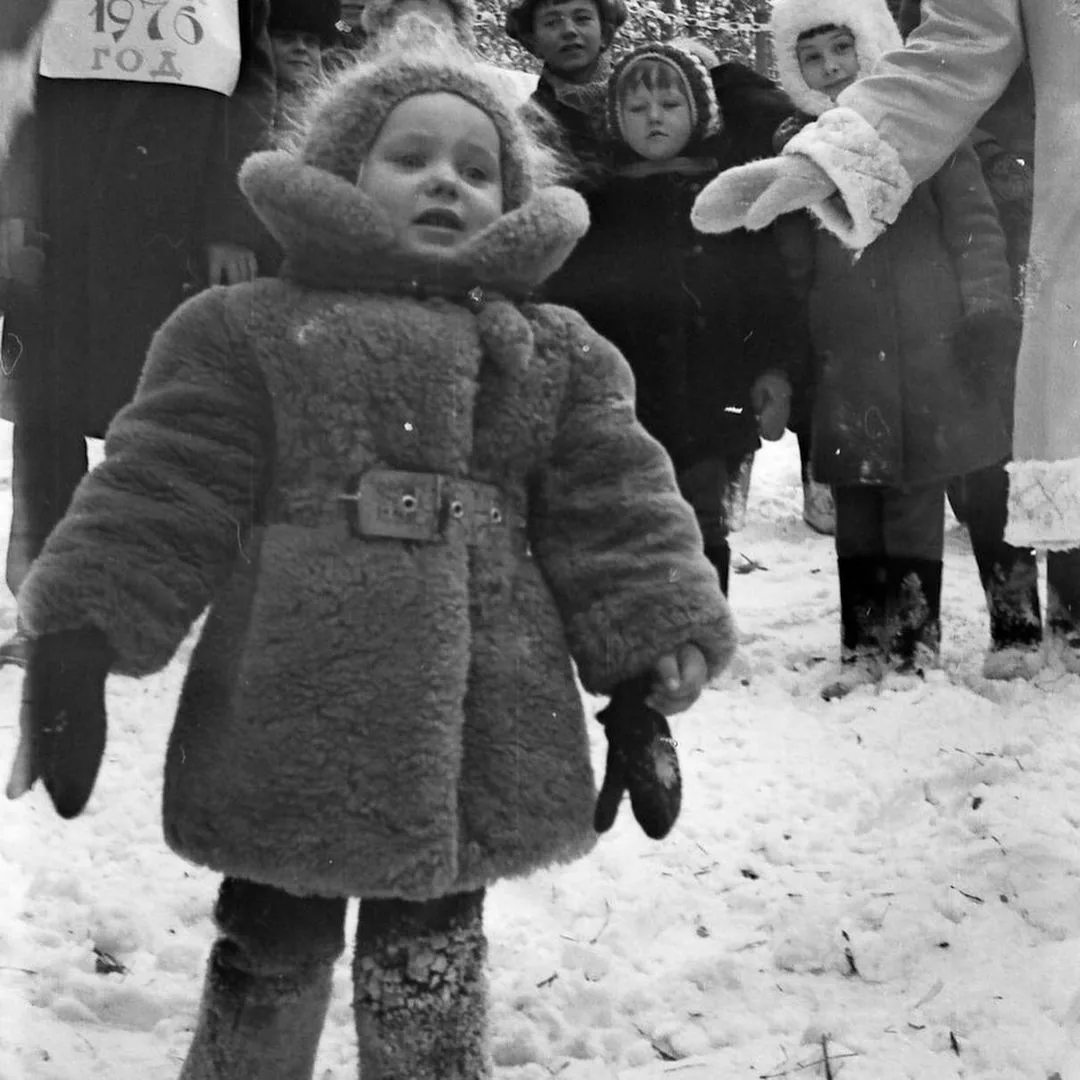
896, 523
46, 466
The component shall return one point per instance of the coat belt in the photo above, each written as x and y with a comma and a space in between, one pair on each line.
428, 508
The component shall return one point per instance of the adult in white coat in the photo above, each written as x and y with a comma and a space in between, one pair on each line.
858, 164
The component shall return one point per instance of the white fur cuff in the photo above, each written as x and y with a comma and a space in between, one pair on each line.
1044, 504
873, 185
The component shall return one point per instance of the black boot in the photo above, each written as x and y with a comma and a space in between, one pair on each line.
1063, 605
719, 555
863, 583
914, 614
421, 991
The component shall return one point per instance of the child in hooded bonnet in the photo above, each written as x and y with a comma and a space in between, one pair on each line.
410, 498
909, 341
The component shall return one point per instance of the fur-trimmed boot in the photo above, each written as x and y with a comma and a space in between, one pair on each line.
267, 985
863, 585
420, 989
914, 614
1010, 580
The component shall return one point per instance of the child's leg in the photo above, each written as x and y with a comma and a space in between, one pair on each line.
913, 521
1063, 602
705, 486
420, 989
1009, 575
267, 984
860, 568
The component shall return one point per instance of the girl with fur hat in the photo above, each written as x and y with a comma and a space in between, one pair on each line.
708, 325
908, 342
410, 497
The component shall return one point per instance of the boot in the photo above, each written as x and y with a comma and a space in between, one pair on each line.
914, 614
1063, 606
862, 624
267, 985
1010, 580
719, 554
420, 990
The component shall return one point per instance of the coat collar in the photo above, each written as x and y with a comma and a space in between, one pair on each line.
335, 237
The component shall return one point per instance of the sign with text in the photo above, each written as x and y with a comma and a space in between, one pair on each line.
184, 42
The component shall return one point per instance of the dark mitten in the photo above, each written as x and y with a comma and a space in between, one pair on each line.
641, 760
62, 720
986, 346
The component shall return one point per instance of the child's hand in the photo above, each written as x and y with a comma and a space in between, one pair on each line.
680, 678
771, 398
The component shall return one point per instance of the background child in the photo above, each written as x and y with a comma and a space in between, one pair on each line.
707, 324
572, 38
409, 498
906, 339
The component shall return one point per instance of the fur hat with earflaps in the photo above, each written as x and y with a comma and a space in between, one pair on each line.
870, 22
691, 73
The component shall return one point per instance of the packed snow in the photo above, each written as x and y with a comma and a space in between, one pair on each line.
875, 888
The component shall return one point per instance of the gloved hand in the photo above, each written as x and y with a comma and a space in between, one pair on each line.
752, 196
986, 346
62, 720
641, 760
771, 397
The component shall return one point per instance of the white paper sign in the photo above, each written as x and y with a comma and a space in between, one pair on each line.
183, 42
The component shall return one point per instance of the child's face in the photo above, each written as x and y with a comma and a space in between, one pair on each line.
567, 35
829, 61
656, 121
297, 56
435, 169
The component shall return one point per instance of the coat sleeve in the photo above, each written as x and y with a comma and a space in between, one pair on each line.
244, 123
20, 175
617, 543
155, 530
973, 234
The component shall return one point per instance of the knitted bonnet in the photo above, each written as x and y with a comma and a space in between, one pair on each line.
693, 77
346, 121
870, 22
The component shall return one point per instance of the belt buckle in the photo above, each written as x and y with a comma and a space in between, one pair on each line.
396, 504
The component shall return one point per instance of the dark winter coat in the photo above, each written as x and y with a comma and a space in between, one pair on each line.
372, 716
698, 317
130, 182
894, 405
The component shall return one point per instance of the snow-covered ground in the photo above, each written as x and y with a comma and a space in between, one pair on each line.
890, 881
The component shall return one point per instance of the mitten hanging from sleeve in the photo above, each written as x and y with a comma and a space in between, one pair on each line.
641, 760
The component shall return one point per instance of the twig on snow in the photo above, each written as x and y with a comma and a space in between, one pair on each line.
603, 926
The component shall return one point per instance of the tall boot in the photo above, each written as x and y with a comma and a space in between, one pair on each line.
1063, 605
1010, 580
863, 584
267, 986
719, 554
914, 613
420, 989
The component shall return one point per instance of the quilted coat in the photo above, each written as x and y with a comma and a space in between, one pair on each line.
380, 717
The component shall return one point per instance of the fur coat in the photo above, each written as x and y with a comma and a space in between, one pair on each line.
377, 717
896, 128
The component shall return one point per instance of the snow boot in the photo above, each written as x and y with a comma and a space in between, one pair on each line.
1010, 580
719, 555
1063, 606
913, 614
267, 985
862, 624
420, 989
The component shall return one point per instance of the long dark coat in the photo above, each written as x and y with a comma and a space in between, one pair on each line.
374, 716
698, 317
129, 182
894, 404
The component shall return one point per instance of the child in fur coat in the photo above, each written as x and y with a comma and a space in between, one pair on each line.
410, 497
907, 342
708, 324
